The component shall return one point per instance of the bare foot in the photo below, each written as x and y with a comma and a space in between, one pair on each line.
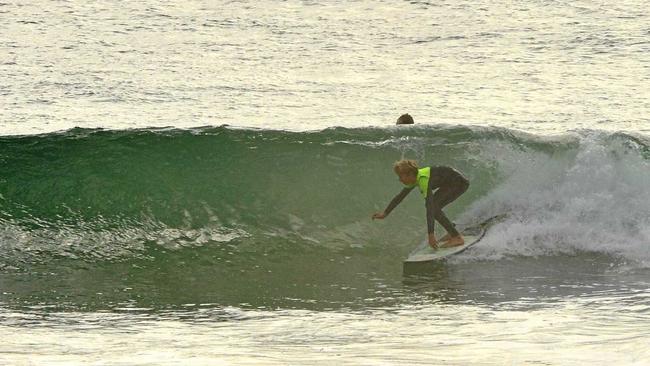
433, 243
453, 242
446, 237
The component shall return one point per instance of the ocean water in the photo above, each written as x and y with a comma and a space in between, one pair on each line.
192, 183
540, 66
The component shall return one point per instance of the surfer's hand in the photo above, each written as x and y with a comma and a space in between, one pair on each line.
378, 215
432, 241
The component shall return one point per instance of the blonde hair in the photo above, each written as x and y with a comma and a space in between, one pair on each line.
406, 166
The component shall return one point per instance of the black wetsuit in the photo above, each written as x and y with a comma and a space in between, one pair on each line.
450, 184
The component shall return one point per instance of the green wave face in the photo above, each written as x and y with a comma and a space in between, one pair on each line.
118, 192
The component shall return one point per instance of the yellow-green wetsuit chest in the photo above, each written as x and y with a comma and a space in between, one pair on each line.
422, 181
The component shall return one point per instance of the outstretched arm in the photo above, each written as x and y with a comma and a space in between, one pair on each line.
393, 203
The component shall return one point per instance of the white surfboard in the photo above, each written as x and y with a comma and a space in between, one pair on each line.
424, 252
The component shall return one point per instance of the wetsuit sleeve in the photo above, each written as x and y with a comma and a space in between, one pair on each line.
430, 205
397, 199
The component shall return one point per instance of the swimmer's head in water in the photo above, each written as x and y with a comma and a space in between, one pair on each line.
405, 119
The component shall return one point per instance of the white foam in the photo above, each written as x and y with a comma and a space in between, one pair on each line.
594, 198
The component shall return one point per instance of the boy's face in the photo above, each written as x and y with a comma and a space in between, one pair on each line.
407, 179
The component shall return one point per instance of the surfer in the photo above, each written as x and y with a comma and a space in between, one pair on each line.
449, 185
405, 119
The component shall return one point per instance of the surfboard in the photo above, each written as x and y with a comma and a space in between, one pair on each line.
472, 235
424, 252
